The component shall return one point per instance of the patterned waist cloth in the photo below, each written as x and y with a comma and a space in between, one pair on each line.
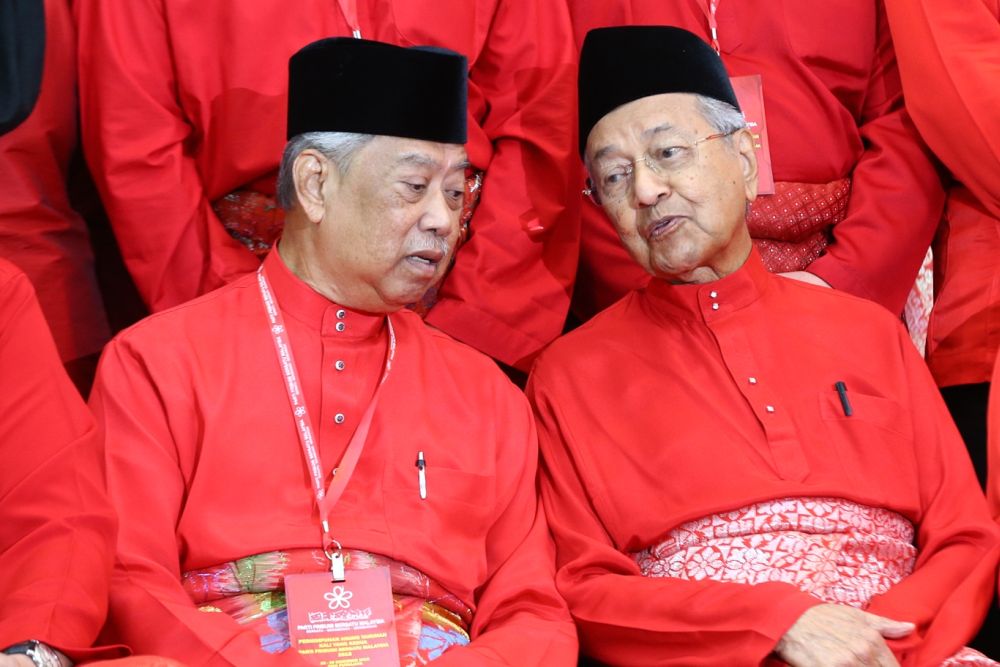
429, 619
836, 550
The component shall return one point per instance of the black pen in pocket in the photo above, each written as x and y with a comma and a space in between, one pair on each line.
844, 403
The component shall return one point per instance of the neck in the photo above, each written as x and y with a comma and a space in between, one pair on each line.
300, 258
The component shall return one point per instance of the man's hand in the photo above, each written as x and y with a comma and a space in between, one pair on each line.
833, 635
15, 661
806, 277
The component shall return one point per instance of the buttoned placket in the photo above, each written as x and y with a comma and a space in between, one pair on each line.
341, 326
786, 454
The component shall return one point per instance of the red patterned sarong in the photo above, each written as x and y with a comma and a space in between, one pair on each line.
836, 550
429, 619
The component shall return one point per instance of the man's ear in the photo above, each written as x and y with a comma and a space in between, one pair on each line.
311, 171
748, 162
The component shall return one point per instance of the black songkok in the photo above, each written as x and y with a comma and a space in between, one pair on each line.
342, 84
624, 64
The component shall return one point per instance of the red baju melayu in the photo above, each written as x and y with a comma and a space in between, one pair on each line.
184, 102
949, 61
39, 232
684, 402
834, 110
56, 524
205, 468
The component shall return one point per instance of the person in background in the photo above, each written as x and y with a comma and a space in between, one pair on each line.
183, 110
40, 232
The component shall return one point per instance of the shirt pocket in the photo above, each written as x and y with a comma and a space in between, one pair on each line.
456, 499
876, 440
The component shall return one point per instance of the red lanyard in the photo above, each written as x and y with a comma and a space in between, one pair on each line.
328, 497
710, 7
349, 8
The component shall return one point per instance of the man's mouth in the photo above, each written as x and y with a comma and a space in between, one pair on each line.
663, 226
428, 258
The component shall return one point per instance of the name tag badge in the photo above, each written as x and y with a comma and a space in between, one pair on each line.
343, 624
750, 94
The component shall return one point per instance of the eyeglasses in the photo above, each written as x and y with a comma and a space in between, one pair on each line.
614, 180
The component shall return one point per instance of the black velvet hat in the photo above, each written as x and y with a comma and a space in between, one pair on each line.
623, 64
342, 84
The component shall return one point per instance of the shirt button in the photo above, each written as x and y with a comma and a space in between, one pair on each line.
339, 418
341, 314
769, 408
715, 306
751, 380
713, 294
339, 365
341, 326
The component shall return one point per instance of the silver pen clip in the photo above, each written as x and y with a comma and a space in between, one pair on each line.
422, 475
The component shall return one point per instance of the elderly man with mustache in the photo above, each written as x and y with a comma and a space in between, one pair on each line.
300, 423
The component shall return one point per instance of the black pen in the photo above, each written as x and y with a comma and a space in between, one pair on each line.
842, 392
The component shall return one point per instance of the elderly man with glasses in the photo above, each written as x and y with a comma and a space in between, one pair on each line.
740, 468
305, 472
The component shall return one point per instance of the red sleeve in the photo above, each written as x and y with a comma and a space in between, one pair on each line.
896, 196
149, 608
623, 617
958, 544
137, 143
508, 293
56, 525
949, 60
520, 619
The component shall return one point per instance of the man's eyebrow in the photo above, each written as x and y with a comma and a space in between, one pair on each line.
418, 159
646, 134
666, 127
604, 151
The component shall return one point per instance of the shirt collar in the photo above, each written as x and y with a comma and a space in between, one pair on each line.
709, 301
299, 300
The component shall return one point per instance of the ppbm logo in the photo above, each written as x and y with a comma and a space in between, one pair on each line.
338, 598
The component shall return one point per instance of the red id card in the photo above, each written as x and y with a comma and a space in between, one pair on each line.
750, 94
343, 624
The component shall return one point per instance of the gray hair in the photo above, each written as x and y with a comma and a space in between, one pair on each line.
722, 116
338, 147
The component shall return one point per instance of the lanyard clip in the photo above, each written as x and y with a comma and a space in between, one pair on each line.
335, 553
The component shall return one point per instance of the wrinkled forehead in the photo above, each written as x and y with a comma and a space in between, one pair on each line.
634, 125
401, 152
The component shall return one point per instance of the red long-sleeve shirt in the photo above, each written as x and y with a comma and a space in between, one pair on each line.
204, 467
39, 232
664, 409
834, 109
949, 62
184, 102
56, 525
